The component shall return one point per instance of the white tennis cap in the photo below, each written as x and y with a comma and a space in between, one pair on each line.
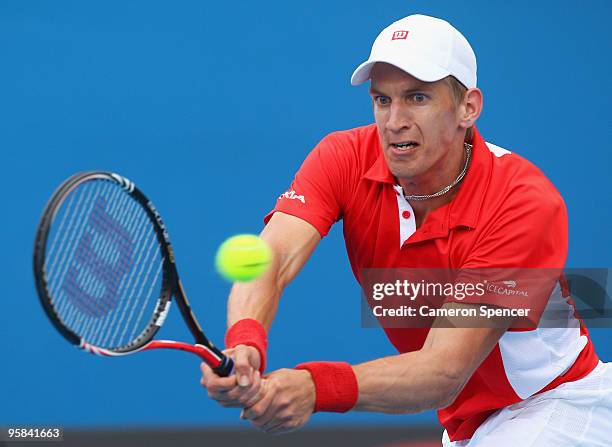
425, 47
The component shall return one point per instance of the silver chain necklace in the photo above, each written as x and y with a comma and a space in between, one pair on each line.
468, 156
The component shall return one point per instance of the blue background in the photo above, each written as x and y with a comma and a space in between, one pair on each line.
210, 108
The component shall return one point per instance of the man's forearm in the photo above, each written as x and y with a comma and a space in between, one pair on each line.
251, 308
257, 299
407, 383
432, 377
292, 241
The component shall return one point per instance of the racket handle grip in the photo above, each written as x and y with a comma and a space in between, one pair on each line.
225, 368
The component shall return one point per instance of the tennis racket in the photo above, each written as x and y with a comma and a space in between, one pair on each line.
105, 270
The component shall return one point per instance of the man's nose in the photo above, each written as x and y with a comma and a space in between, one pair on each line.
399, 118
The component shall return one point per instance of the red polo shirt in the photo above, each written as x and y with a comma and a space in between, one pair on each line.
506, 214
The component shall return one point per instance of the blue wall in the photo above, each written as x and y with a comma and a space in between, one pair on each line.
210, 109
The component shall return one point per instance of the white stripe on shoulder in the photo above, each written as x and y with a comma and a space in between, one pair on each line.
497, 151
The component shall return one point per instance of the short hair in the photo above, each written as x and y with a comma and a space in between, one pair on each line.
458, 91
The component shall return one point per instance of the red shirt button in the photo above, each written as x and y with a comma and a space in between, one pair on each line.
405, 214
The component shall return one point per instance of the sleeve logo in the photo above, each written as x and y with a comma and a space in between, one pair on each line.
292, 195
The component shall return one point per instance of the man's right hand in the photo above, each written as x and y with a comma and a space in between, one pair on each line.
242, 389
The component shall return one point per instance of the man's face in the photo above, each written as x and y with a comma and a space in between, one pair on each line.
418, 122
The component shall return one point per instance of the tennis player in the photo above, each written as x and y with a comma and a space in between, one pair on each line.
421, 188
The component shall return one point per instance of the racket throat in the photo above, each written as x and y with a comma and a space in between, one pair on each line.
205, 353
201, 351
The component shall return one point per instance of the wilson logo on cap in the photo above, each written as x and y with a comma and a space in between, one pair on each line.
399, 35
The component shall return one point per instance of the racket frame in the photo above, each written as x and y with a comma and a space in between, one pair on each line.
171, 283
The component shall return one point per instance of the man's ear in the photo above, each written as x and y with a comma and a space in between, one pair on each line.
471, 107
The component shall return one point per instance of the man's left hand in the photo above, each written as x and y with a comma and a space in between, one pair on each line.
287, 404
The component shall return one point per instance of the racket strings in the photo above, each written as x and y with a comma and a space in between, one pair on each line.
69, 286
57, 268
66, 237
93, 325
110, 325
65, 296
92, 251
103, 265
133, 290
90, 328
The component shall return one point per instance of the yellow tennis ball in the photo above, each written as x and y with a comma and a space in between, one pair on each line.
243, 258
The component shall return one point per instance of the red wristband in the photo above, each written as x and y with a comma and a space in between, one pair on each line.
248, 332
335, 385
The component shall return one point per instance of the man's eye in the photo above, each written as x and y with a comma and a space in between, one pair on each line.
382, 100
419, 97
